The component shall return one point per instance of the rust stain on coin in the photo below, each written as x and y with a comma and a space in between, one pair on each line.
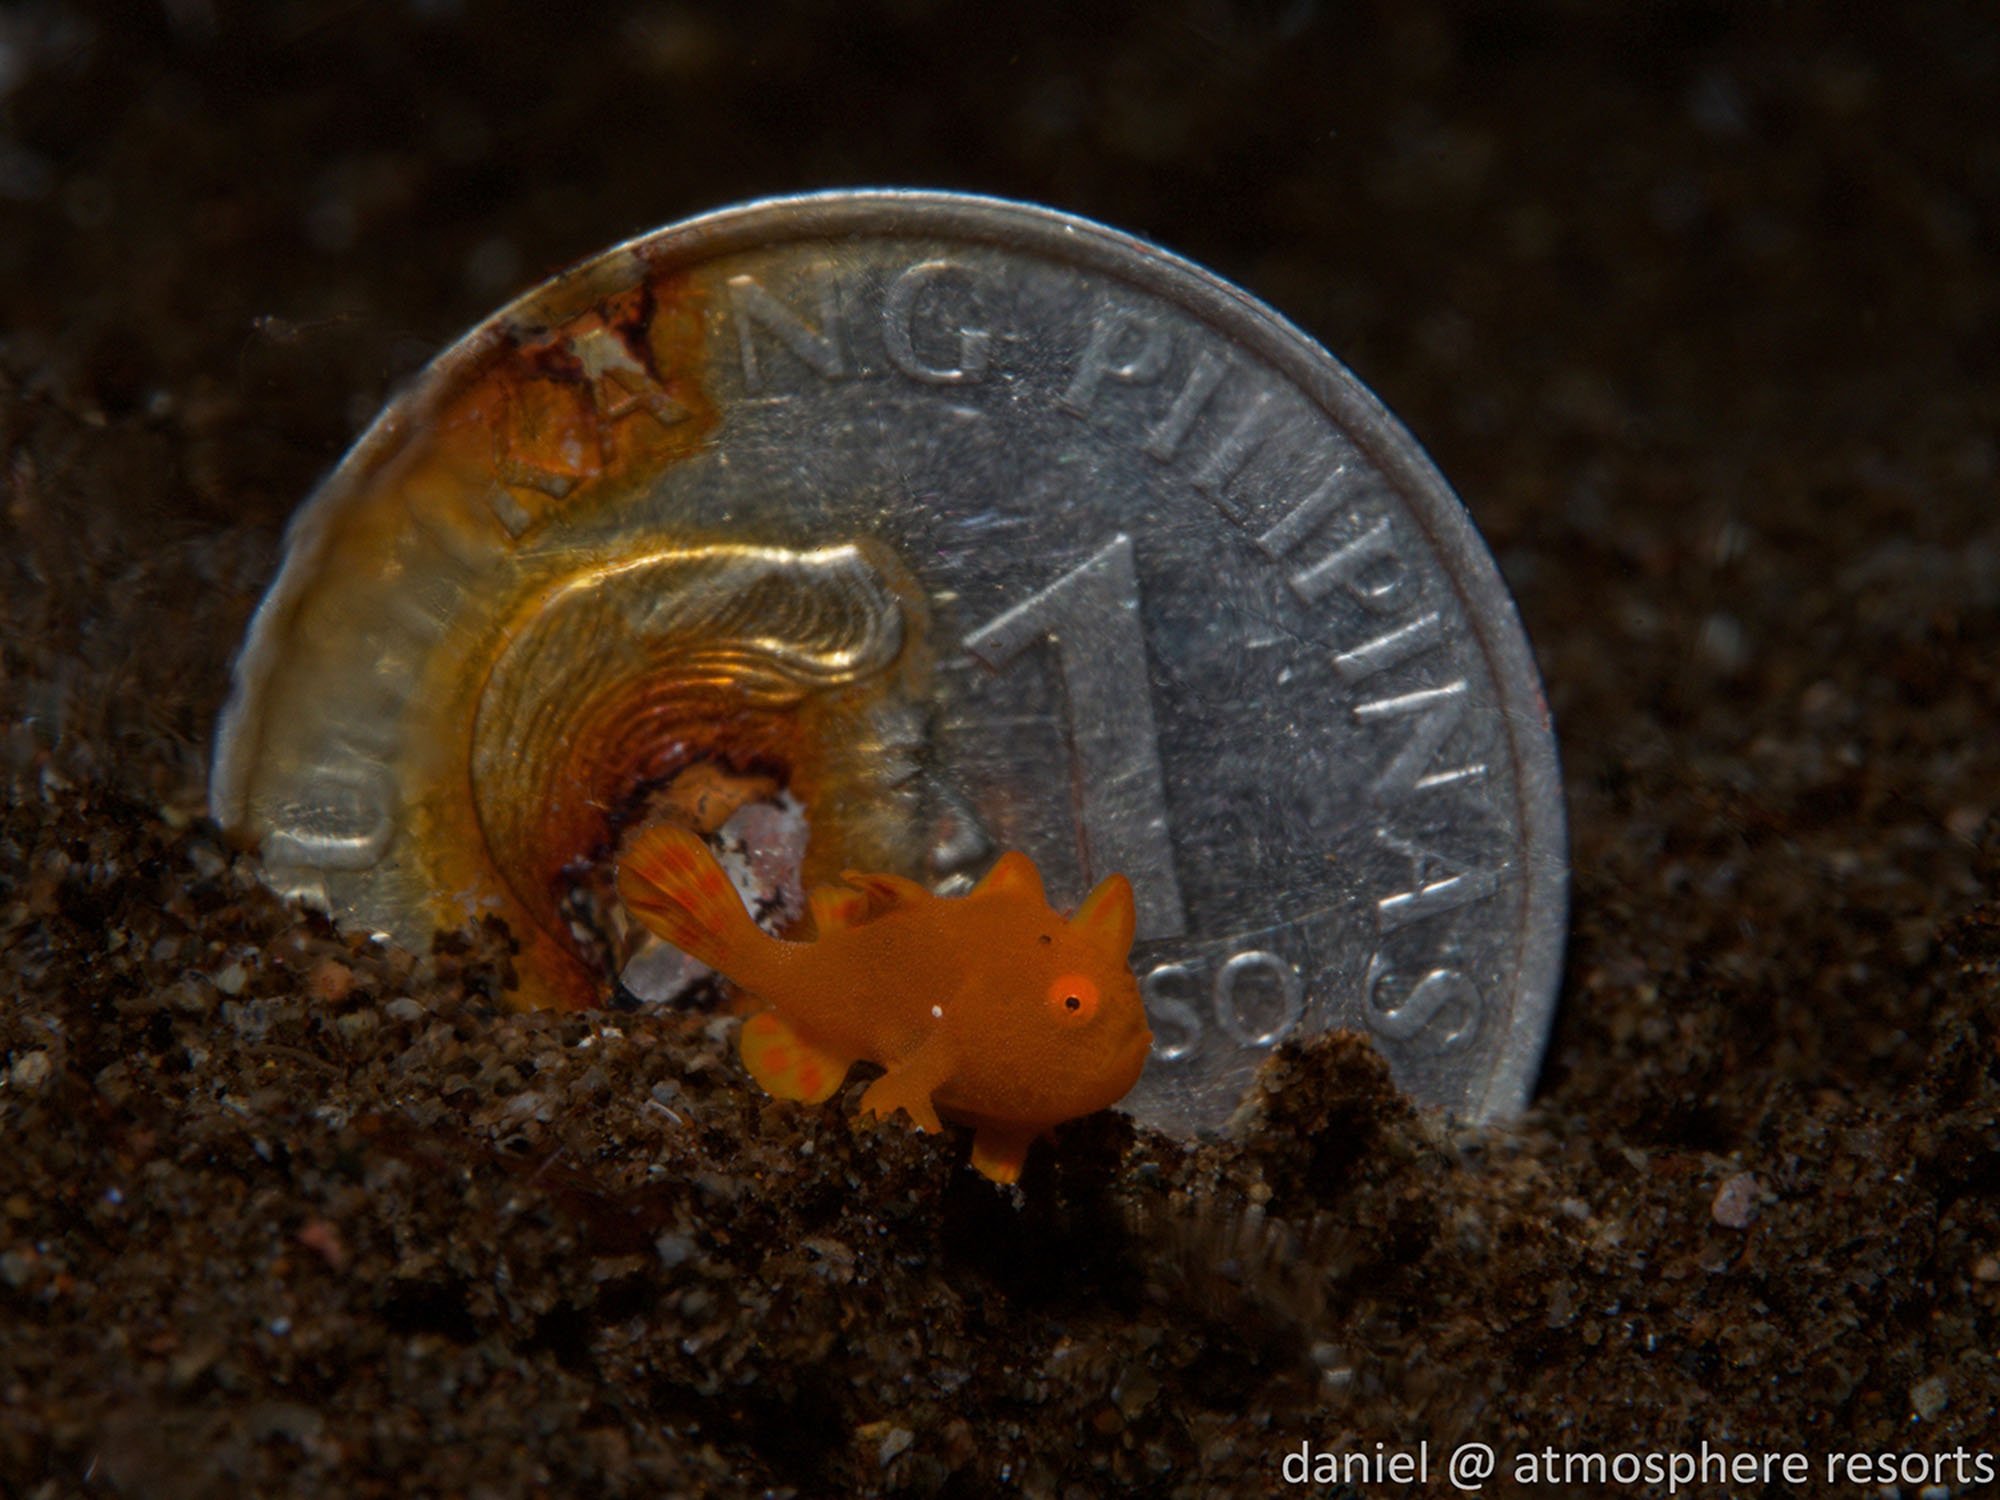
494, 649
551, 425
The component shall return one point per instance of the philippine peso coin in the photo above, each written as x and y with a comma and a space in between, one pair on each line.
968, 525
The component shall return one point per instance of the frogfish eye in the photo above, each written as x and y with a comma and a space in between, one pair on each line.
1073, 998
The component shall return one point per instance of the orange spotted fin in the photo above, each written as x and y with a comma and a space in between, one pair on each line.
999, 1153
785, 1064
671, 882
837, 906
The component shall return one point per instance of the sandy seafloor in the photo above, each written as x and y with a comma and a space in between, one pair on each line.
1698, 307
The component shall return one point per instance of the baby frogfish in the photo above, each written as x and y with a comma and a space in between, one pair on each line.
990, 1007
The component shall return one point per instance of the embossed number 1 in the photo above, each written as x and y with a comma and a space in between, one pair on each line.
1090, 616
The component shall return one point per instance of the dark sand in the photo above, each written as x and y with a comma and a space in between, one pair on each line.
1699, 309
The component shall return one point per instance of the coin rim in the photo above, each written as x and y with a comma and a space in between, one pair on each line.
1239, 318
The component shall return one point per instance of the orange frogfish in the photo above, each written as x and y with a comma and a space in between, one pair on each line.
990, 1008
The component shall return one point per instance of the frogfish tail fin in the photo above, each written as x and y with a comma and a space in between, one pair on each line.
670, 881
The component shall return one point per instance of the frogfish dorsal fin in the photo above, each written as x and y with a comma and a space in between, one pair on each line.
836, 906
1013, 873
885, 893
787, 1065
1107, 917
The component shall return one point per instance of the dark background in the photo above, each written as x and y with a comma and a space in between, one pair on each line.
1696, 305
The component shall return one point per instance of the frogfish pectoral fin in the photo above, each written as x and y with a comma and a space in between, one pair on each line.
998, 1151
896, 1090
911, 1080
788, 1066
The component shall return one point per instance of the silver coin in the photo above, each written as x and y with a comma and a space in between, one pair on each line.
978, 526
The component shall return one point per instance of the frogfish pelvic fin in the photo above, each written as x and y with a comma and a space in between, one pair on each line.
990, 1008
